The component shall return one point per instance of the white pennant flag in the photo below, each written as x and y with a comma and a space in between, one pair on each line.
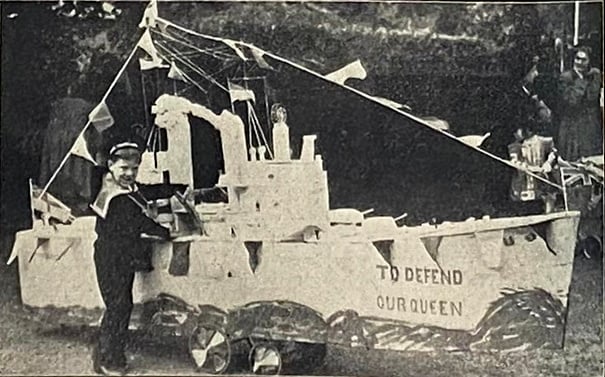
233, 45
150, 15
175, 73
80, 149
100, 117
146, 43
257, 54
350, 71
151, 64
239, 93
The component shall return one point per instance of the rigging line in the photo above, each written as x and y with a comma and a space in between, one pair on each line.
183, 40
89, 121
192, 82
193, 47
223, 69
249, 132
145, 108
194, 68
258, 141
154, 146
267, 114
366, 96
262, 133
406, 114
188, 31
250, 126
187, 77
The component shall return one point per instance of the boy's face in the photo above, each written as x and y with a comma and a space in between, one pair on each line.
581, 61
124, 172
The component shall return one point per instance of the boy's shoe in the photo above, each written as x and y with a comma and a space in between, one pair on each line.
110, 371
107, 370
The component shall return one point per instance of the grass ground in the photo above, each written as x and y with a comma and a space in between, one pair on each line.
30, 348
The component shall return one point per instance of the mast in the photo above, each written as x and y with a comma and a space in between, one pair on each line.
576, 23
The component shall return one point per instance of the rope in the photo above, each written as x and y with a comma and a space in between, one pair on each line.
408, 115
111, 86
193, 67
195, 48
145, 109
251, 123
262, 133
366, 96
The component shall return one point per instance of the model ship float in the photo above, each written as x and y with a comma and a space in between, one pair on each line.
271, 274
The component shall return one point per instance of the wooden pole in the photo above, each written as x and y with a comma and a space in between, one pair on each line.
576, 23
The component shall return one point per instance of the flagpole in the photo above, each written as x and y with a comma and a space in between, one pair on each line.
576, 23
113, 84
563, 183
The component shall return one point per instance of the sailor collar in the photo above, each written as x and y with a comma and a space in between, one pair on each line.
109, 190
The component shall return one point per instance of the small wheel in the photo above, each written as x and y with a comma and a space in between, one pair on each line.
210, 350
265, 359
530, 237
508, 240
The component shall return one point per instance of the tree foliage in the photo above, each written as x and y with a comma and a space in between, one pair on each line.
457, 61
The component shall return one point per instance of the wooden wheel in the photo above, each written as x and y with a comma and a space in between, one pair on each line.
210, 350
265, 359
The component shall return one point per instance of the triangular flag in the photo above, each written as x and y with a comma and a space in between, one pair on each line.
431, 244
350, 71
100, 117
233, 45
151, 64
175, 73
257, 54
150, 15
388, 102
80, 149
146, 43
239, 93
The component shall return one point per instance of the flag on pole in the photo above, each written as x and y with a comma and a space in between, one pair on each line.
388, 102
257, 54
239, 93
233, 46
571, 175
353, 70
80, 149
150, 15
175, 73
100, 117
146, 65
146, 43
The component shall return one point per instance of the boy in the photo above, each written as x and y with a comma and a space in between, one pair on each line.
123, 216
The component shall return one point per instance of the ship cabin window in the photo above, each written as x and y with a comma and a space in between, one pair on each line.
162, 140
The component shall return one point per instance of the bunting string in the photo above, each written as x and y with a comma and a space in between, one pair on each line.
103, 99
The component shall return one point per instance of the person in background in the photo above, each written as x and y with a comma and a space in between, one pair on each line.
580, 132
123, 216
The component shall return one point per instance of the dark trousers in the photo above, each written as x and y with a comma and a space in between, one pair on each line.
115, 277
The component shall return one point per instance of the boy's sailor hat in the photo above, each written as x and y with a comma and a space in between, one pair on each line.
124, 145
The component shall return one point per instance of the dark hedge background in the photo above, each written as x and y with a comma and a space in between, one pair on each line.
472, 81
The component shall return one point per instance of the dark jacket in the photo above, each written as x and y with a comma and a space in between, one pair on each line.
119, 233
